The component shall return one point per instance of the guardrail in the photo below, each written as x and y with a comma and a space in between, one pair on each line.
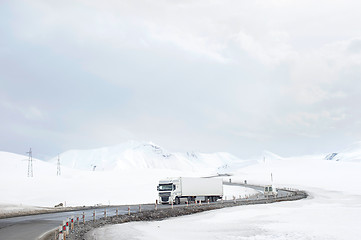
72, 228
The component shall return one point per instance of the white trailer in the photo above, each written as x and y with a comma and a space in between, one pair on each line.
189, 189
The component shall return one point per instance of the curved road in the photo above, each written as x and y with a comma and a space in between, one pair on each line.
33, 226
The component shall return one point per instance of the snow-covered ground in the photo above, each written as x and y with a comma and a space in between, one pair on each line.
128, 173
326, 216
332, 211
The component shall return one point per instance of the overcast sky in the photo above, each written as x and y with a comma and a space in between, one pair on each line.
235, 76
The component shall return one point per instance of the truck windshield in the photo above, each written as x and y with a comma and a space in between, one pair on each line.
165, 187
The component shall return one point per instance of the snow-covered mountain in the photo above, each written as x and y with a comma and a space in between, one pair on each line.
142, 155
128, 173
350, 154
124, 174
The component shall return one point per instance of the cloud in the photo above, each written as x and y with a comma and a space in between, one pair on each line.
317, 76
354, 46
28, 112
194, 74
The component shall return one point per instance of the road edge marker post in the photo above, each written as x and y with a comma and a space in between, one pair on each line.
67, 226
128, 210
116, 212
94, 216
60, 237
72, 223
64, 229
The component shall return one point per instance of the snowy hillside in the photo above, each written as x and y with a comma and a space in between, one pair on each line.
350, 154
125, 173
75, 187
138, 155
128, 173
331, 212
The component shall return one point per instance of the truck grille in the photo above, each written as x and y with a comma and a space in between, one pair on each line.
165, 199
164, 194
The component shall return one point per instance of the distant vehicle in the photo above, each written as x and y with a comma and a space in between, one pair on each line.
175, 190
270, 191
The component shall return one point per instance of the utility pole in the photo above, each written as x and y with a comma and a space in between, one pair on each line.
30, 163
58, 172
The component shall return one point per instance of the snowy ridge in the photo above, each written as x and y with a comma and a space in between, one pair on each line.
350, 154
138, 155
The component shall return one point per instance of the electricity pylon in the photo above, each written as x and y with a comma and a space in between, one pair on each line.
58, 172
30, 163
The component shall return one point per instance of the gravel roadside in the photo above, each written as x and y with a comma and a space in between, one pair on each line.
79, 233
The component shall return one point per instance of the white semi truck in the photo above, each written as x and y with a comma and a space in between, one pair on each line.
270, 191
173, 190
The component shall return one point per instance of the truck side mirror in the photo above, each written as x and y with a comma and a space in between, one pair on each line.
174, 187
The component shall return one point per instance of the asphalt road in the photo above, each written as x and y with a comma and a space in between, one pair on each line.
32, 227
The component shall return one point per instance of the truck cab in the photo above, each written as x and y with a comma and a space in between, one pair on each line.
270, 191
169, 191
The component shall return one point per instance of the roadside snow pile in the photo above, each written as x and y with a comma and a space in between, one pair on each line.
11, 208
238, 192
